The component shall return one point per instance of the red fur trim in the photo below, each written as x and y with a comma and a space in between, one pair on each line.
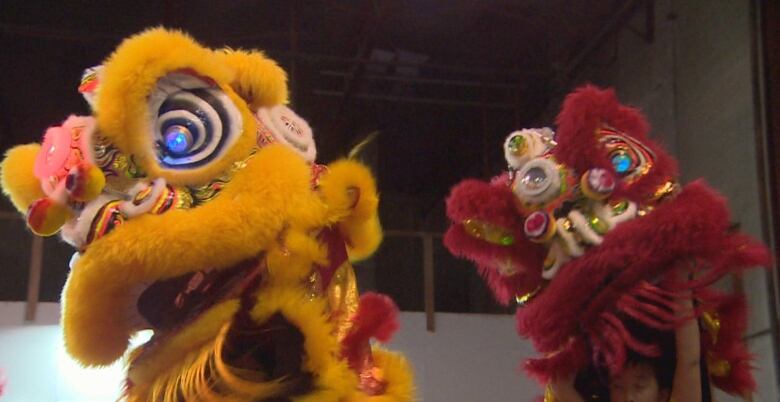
493, 203
732, 312
376, 317
635, 251
560, 364
3, 382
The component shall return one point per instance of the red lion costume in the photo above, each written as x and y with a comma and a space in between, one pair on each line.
590, 226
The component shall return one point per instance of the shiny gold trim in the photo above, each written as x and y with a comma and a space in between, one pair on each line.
524, 299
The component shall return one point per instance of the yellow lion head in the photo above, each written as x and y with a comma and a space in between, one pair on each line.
193, 199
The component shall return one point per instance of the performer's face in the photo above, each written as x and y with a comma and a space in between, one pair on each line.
637, 383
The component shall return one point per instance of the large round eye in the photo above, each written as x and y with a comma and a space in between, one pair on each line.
538, 181
290, 129
623, 160
524, 145
195, 121
630, 158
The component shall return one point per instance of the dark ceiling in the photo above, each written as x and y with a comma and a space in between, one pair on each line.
441, 81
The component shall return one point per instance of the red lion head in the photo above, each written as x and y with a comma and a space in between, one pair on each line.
589, 227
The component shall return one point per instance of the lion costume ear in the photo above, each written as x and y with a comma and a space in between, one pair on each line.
258, 79
17, 178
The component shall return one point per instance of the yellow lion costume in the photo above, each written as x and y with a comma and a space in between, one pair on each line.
193, 199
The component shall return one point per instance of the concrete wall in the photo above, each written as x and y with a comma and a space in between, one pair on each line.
694, 82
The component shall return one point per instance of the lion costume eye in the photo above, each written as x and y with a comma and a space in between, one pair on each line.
630, 158
539, 181
194, 121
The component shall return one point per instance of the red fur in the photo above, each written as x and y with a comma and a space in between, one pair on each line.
584, 111
732, 313
493, 203
568, 360
376, 317
638, 251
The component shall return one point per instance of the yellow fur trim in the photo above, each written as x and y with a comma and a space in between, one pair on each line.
270, 193
359, 223
169, 354
364, 238
290, 262
258, 79
397, 373
204, 376
399, 376
333, 380
130, 76
95, 182
16, 176
332, 377
341, 176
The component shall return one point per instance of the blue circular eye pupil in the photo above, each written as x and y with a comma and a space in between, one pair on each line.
178, 139
621, 162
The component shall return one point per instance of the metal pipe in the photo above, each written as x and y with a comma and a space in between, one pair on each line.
432, 81
428, 274
34, 281
425, 65
430, 101
618, 19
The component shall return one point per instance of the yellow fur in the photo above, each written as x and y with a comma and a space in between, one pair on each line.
189, 339
16, 176
396, 372
95, 182
290, 262
332, 376
259, 80
183, 241
364, 237
358, 223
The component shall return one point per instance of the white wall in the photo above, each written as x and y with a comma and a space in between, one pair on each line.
469, 358
38, 369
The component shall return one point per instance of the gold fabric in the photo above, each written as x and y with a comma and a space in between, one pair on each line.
343, 298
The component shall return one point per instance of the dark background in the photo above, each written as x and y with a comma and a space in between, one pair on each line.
442, 82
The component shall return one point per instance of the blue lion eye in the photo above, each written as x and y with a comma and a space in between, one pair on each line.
178, 139
622, 162
194, 122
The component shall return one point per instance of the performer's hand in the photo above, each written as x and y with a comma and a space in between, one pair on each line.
687, 377
563, 389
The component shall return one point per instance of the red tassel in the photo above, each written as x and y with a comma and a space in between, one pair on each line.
376, 317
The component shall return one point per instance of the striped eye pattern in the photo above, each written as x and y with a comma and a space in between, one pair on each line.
194, 123
630, 158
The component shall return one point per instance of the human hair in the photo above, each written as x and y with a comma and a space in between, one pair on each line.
592, 383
